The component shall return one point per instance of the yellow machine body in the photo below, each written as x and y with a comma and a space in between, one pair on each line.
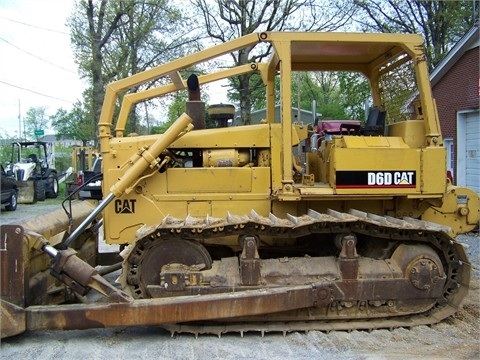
279, 225
400, 172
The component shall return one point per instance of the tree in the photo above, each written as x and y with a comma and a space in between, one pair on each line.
355, 90
441, 23
337, 95
35, 119
256, 90
177, 107
72, 124
6, 147
115, 39
91, 28
228, 19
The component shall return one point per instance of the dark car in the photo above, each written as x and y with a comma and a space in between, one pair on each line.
93, 181
9, 191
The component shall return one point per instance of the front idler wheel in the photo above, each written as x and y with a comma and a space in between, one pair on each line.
144, 263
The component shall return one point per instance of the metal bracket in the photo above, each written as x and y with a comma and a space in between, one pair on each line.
250, 262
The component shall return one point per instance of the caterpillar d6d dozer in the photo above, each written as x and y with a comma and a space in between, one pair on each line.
275, 226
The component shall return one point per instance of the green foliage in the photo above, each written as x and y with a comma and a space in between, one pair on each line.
5, 153
355, 91
63, 158
177, 107
5, 148
35, 119
442, 23
324, 89
73, 124
398, 88
338, 95
115, 39
160, 129
256, 88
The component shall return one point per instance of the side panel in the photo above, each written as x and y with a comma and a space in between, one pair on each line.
207, 180
374, 165
183, 191
434, 170
385, 166
180, 192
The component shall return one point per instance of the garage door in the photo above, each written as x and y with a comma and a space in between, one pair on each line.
468, 156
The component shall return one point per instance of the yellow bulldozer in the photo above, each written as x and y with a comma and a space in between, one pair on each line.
281, 225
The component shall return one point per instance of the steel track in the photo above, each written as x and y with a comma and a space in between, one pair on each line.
456, 264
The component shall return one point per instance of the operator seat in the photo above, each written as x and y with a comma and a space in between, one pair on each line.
33, 158
375, 123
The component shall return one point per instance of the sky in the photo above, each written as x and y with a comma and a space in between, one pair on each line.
37, 67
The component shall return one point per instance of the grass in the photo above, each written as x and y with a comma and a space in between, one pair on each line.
58, 200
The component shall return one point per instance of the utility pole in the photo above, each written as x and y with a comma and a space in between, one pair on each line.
19, 122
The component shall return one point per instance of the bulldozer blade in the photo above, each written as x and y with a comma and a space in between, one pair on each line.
24, 272
13, 319
26, 192
54, 224
12, 285
161, 311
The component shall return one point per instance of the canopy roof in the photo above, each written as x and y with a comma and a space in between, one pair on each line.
344, 51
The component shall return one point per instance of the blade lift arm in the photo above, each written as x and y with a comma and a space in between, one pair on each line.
77, 274
74, 272
148, 158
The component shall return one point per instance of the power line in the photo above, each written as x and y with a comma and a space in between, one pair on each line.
37, 57
35, 26
35, 92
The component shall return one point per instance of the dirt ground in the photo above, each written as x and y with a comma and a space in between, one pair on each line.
455, 338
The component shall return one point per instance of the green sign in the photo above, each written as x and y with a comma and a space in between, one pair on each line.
39, 132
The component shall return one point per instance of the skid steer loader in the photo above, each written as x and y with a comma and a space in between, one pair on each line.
32, 164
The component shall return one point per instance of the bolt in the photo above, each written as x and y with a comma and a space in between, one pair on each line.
322, 294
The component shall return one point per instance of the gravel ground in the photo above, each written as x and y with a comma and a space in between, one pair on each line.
455, 337
26, 211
